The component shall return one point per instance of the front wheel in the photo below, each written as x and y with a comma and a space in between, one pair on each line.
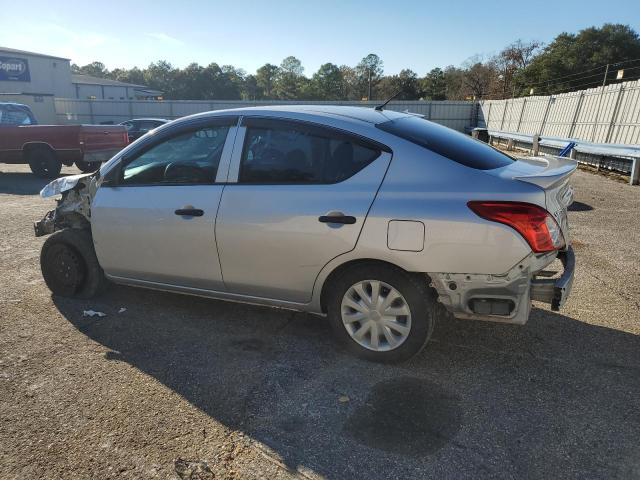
382, 313
87, 167
69, 264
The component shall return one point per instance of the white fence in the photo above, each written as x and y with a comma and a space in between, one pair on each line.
457, 115
601, 115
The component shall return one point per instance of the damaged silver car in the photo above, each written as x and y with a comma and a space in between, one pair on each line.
371, 217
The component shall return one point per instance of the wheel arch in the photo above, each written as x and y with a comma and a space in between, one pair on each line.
329, 274
31, 146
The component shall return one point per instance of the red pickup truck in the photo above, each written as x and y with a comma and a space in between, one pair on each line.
47, 147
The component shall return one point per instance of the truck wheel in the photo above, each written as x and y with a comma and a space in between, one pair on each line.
44, 163
382, 313
88, 167
69, 264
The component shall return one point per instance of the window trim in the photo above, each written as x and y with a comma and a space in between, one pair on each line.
312, 128
114, 176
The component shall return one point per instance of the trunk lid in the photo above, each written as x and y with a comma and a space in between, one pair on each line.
551, 174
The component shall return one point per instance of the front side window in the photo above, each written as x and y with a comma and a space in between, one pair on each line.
188, 158
283, 153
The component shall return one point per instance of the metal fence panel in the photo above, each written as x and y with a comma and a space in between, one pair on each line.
608, 114
459, 115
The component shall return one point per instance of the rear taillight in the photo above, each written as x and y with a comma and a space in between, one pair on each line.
534, 223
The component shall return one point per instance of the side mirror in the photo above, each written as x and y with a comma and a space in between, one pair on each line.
112, 177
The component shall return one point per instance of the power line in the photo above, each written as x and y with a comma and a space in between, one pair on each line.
570, 75
555, 79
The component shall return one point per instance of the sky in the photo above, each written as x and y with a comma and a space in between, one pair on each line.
419, 35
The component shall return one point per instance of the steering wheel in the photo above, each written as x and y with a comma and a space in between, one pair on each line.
185, 173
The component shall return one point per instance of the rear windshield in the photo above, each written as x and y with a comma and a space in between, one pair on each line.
446, 142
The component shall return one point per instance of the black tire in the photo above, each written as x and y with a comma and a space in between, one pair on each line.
69, 264
421, 300
88, 167
44, 163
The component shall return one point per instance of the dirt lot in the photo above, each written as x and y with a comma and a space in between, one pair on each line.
182, 387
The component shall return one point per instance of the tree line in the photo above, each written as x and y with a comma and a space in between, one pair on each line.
571, 61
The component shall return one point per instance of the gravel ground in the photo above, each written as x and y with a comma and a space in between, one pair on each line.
181, 387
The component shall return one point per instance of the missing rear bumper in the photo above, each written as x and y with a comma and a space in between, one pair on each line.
555, 291
506, 298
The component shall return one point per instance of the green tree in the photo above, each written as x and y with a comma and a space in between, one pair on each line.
455, 83
369, 72
405, 85
349, 89
161, 76
327, 82
577, 61
251, 90
266, 78
434, 85
134, 75
289, 79
95, 69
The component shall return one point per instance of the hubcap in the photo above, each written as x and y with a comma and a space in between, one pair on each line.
376, 315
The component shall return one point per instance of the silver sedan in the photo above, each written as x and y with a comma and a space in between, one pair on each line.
370, 217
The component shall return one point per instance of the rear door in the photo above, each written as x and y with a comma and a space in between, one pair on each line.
297, 196
154, 218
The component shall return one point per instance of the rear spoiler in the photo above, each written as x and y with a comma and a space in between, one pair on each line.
556, 170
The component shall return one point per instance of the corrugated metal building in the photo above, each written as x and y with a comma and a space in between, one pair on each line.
41, 75
93, 88
34, 74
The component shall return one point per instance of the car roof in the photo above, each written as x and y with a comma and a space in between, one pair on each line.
346, 113
14, 104
147, 120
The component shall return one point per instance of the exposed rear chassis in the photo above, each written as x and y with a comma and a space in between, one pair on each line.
556, 290
481, 297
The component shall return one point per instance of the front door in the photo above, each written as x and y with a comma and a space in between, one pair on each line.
154, 218
297, 197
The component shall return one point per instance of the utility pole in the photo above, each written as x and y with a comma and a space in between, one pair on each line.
606, 72
369, 96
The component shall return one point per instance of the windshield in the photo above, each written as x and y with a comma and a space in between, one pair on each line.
447, 142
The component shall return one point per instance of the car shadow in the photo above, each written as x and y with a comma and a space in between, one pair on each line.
579, 207
554, 396
22, 183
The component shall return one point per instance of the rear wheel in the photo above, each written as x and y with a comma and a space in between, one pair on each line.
69, 264
382, 313
87, 167
44, 163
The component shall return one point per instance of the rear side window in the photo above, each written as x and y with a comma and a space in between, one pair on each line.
281, 152
446, 142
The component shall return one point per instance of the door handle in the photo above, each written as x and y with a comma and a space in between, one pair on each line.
189, 212
344, 219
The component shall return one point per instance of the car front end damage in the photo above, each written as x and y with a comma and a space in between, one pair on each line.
73, 208
507, 297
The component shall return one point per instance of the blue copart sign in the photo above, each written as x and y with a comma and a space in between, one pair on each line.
14, 69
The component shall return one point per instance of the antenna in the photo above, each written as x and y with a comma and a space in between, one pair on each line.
379, 108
